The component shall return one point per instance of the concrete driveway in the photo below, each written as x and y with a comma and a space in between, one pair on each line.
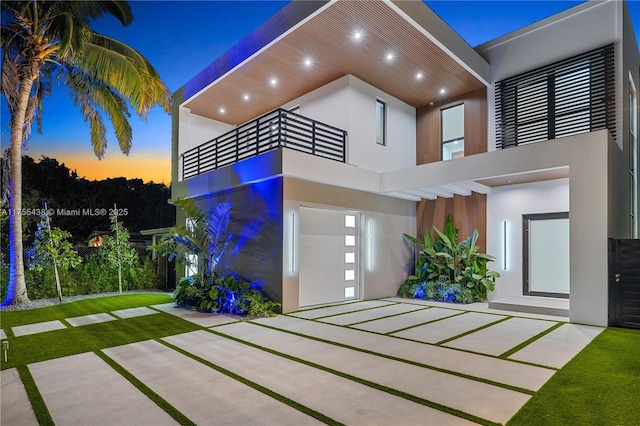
384, 362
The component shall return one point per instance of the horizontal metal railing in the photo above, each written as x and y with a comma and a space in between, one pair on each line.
275, 129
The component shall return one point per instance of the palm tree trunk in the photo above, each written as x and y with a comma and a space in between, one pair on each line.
16, 258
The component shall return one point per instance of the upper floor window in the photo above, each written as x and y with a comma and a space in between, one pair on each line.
381, 122
453, 132
568, 97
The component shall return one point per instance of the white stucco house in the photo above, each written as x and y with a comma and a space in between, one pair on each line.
345, 124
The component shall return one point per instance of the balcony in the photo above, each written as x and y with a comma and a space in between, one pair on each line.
276, 129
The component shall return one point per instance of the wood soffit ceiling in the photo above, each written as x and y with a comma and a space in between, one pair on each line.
542, 175
328, 41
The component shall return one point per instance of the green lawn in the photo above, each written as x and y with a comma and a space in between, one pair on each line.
72, 340
600, 386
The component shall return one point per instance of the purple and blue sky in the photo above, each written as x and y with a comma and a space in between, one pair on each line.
180, 38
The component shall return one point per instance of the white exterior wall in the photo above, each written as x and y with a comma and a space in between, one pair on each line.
349, 104
559, 37
509, 203
196, 130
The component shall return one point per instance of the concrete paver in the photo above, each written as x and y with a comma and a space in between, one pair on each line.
181, 381
134, 312
480, 399
558, 347
341, 399
449, 327
340, 309
3, 335
39, 327
15, 407
203, 319
370, 314
84, 390
89, 319
410, 319
501, 337
497, 370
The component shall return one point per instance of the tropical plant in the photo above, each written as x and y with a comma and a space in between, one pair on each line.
200, 245
448, 270
43, 41
52, 247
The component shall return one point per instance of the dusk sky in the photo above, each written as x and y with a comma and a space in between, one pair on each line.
180, 38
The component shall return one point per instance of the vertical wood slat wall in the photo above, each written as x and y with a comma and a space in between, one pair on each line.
469, 212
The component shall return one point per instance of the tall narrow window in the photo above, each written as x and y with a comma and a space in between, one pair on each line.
191, 267
633, 158
381, 122
453, 132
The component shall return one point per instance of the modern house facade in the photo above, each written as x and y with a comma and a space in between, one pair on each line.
342, 125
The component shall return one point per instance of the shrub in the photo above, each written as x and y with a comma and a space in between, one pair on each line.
447, 270
229, 294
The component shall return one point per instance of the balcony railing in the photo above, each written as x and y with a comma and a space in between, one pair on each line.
276, 129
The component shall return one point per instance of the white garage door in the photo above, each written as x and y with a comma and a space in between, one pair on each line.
328, 256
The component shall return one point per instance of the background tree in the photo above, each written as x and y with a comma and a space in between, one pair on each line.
48, 181
52, 247
116, 250
46, 40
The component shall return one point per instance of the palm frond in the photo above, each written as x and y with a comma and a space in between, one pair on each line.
107, 100
126, 71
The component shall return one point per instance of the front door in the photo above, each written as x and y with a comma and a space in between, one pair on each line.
329, 256
624, 283
546, 255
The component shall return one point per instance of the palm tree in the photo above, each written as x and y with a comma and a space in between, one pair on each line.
46, 40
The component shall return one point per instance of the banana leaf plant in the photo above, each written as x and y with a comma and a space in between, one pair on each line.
448, 269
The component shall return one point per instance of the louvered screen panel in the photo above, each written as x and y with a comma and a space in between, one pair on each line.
568, 97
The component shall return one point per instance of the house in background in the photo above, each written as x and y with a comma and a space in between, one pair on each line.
342, 125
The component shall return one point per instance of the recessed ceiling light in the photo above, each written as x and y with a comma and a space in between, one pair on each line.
357, 35
419, 76
245, 97
443, 91
273, 81
222, 110
389, 56
307, 62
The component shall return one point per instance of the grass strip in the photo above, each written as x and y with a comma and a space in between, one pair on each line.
365, 382
386, 316
529, 341
80, 308
423, 323
599, 386
37, 403
92, 338
482, 327
394, 358
294, 404
157, 399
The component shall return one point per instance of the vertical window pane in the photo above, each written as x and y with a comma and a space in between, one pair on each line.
453, 123
453, 132
381, 122
350, 221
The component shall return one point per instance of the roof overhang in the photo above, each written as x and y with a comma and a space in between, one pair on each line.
237, 86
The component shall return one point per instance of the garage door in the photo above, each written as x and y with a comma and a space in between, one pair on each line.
328, 261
